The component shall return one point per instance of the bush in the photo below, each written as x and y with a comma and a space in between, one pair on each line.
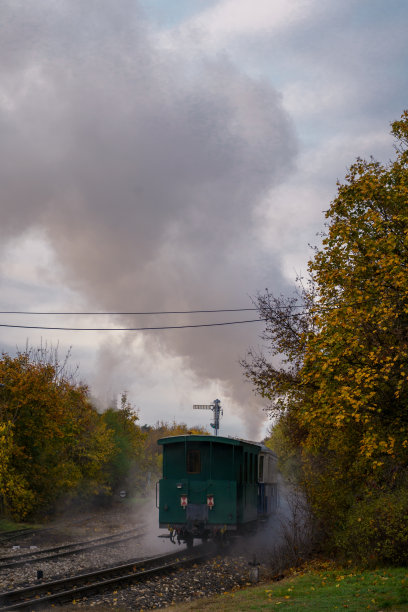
376, 529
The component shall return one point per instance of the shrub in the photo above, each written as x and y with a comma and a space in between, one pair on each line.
376, 529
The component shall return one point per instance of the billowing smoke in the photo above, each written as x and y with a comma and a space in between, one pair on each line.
144, 168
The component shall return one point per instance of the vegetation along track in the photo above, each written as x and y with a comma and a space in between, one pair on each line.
69, 549
68, 589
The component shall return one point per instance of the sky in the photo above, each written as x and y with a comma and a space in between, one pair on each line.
178, 156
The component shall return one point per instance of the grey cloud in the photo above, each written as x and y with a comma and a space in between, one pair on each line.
353, 48
143, 167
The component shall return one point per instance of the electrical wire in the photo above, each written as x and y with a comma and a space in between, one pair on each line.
158, 312
282, 307
162, 327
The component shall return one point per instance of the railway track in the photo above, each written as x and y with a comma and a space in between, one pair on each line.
69, 549
28, 531
75, 587
17, 533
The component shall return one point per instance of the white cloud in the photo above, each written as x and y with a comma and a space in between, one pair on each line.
242, 18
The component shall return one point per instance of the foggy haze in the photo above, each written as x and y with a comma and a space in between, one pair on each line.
145, 170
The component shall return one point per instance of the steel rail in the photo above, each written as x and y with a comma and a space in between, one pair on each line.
68, 549
69, 589
5, 536
16, 533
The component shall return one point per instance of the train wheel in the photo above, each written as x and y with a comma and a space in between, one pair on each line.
189, 541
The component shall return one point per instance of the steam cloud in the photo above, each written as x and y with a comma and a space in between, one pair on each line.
143, 167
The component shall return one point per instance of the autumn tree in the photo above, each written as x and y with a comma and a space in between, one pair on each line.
341, 386
14, 490
53, 440
128, 465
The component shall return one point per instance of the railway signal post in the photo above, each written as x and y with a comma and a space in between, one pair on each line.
216, 408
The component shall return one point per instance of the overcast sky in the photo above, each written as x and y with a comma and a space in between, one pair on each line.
173, 156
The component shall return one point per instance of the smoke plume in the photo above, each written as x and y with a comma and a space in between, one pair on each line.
143, 167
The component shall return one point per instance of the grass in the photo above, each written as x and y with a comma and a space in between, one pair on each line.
317, 587
7, 525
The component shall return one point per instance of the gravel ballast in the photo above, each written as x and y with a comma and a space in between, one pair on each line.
221, 574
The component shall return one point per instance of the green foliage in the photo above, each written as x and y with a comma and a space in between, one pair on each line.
54, 441
14, 491
342, 376
354, 369
127, 466
289, 457
55, 445
376, 529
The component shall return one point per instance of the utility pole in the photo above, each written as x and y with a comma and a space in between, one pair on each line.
217, 410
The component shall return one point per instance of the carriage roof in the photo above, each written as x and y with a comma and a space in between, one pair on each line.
219, 439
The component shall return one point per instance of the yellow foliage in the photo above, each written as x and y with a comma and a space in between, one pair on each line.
52, 439
343, 383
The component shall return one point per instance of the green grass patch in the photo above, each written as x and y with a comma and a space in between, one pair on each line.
318, 587
7, 525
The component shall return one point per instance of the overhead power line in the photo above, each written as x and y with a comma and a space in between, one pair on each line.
157, 312
162, 327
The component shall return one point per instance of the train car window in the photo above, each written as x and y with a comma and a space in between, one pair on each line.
193, 462
245, 467
261, 468
251, 457
255, 472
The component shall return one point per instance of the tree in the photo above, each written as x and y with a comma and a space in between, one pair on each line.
356, 361
342, 384
127, 467
55, 443
14, 489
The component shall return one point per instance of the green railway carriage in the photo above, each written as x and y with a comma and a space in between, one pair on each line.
214, 485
